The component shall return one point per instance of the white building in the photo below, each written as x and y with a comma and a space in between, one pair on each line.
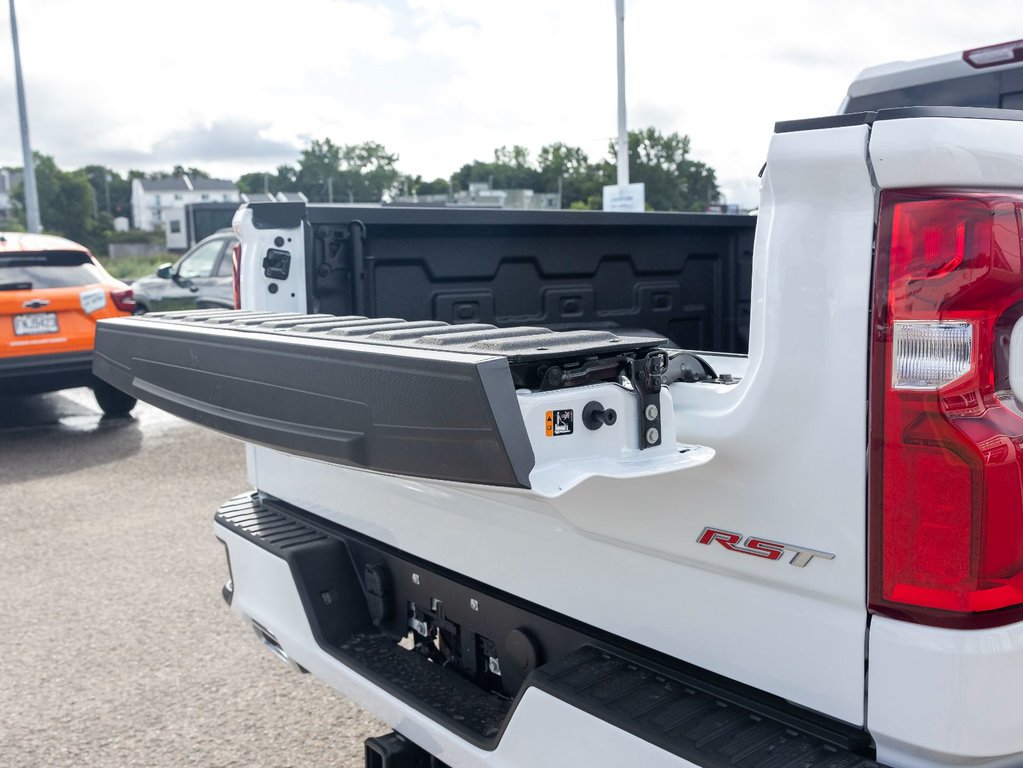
160, 203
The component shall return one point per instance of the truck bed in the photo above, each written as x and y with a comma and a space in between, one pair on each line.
685, 276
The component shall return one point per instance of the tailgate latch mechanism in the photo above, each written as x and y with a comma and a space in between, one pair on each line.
646, 377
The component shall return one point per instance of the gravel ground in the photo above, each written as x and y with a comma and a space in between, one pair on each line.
117, 647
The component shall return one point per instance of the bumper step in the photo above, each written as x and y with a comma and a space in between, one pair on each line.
696, 715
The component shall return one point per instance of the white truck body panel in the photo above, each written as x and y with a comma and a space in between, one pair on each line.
943, 152
944, 696
904, 74
290, 294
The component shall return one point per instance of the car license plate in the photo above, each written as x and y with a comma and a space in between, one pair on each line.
36, 323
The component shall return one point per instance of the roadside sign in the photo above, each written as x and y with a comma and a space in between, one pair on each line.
630, 198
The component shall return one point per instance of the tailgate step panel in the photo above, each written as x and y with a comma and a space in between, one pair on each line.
422, 399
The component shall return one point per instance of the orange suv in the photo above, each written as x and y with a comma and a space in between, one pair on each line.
52, 292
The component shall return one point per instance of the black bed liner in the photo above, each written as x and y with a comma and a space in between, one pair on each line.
424, 399
685, 276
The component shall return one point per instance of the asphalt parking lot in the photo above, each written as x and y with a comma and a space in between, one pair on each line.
117, 647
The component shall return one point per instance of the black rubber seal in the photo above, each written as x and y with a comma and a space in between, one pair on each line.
900, 113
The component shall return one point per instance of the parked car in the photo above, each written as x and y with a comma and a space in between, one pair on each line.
201, 279
52, 292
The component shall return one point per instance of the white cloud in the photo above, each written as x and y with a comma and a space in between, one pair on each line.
442, 82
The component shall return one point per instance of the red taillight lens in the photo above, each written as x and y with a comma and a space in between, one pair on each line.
124, 300
946, 485
236, 271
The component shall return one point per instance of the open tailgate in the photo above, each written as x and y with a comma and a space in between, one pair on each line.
425, 399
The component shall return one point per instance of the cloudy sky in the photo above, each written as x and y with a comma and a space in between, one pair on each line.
234, 86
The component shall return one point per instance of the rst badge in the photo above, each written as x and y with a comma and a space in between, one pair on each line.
759, 547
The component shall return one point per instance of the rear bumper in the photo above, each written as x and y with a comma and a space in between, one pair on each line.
299, 581
45, 373
945, 696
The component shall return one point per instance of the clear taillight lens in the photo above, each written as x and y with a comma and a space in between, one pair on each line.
993, 55
946, 453
929, 354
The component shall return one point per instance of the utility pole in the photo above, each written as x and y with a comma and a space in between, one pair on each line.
623, 135
31, 196
330, 189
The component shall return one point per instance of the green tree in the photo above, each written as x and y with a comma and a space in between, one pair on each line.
674, 182
256, 182
510, 169
281, 180
360, 173
580, 181
194, 173
417, 186
109, 185
67, 203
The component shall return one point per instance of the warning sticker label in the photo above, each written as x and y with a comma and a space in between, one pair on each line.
559, 423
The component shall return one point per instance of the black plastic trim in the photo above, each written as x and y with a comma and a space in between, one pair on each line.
45, 373
898, 113
277, 215
464, 216
423, 413
828, 121
695, 714
962, 113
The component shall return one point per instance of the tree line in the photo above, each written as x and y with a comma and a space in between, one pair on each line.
368, 172
81, 204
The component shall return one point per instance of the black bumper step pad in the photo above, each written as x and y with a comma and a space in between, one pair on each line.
701, 717
678, 716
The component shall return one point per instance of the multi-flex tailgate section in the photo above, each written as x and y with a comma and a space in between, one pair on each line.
424, 399
428, 414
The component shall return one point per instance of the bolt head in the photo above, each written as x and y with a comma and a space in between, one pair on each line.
415, 578
474, 603
652, 436
651, 412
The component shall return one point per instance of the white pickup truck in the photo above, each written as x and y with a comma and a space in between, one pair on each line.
523, 547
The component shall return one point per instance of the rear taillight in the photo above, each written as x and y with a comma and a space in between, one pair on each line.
124, 300
236, 271
993, 55
946, 467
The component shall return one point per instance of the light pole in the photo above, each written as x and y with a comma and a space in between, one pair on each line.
623, 135
31, 196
